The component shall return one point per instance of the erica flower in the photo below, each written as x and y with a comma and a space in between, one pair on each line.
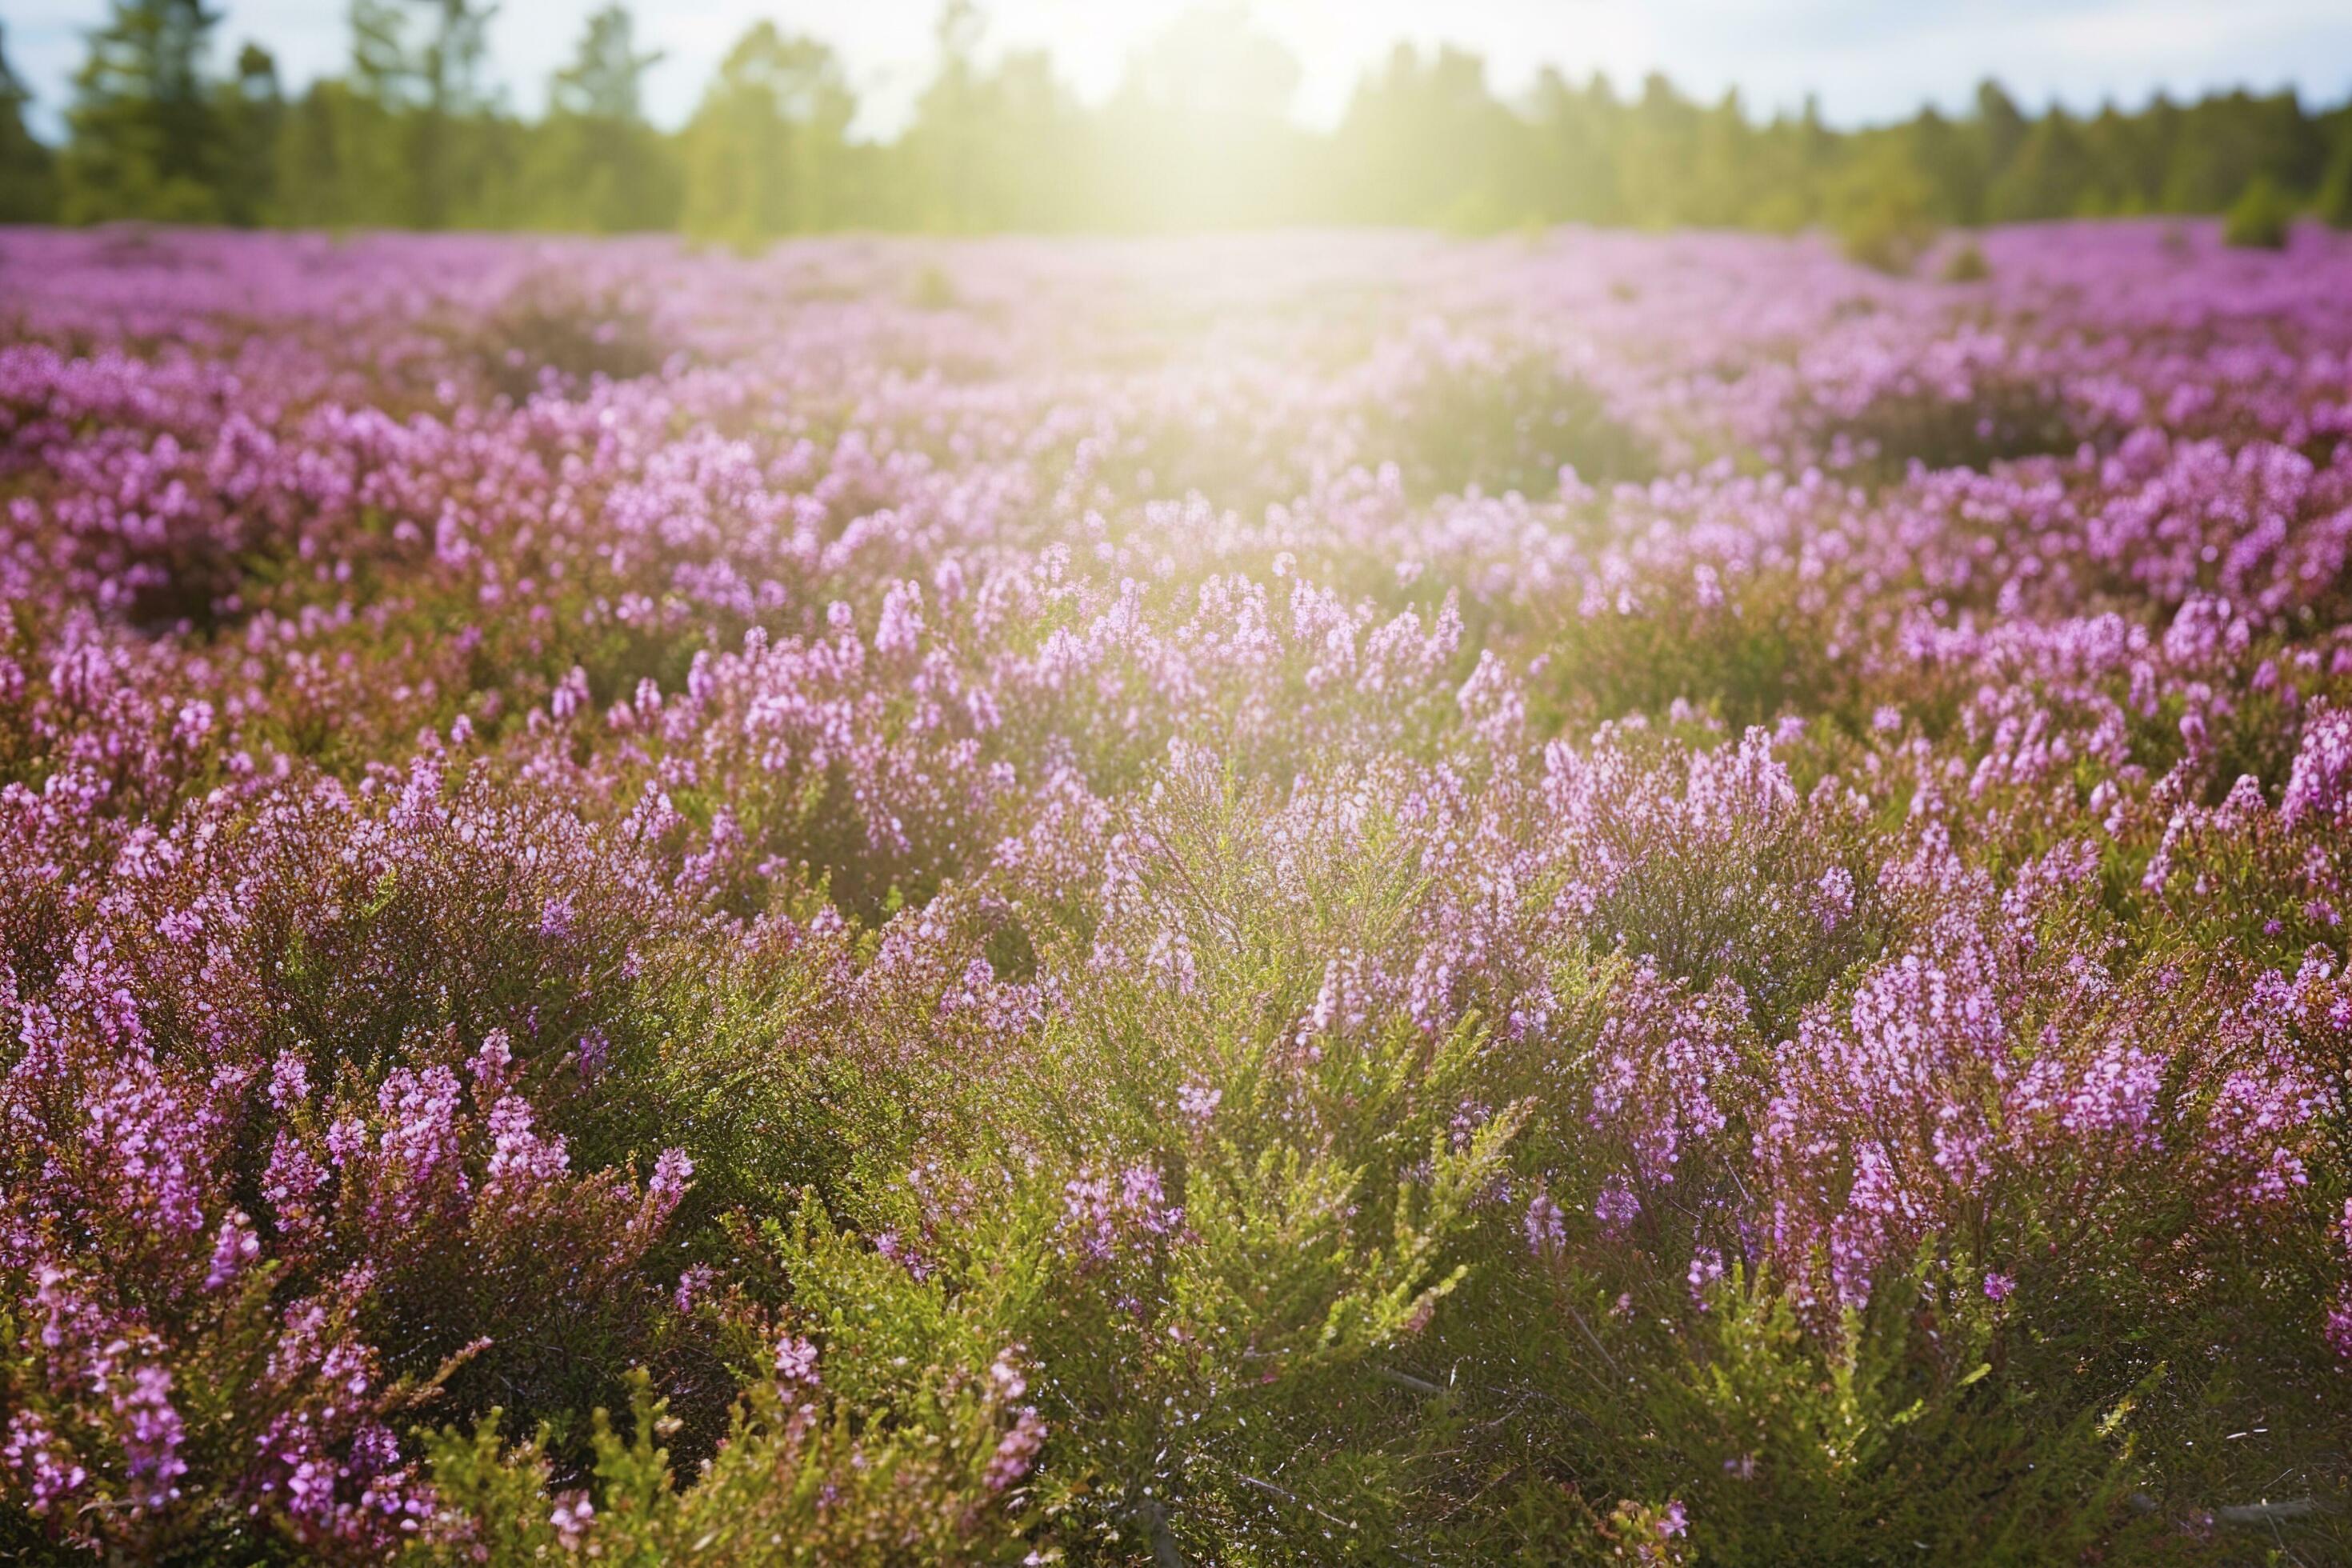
796, 1361
573, 1516
1016, 1451
1546, 1226
233, 1249
1617, 1207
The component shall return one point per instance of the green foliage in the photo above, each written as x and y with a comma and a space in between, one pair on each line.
2055, 174
1883, 210
1197, 136
28, 183
551, 335
1932, 1424
764, 152
146, 133
236, 1402
2222, 146
932, 289
1886, 236
799, 1480
1965, 264
414, 136
2334, 206
1201, 1257
1426, 140
596, 163
2262, 219
1805, 1447
1501, 427
1223, 1377
252, 126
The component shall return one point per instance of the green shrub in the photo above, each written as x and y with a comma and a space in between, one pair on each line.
1502, 422
1886, 237
1883, 214
1966, 264
2333, 206
799, 1480
2262, 219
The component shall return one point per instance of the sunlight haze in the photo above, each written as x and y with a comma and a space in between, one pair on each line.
1867, 62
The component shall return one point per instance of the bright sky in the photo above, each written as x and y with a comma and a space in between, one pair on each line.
1869, 59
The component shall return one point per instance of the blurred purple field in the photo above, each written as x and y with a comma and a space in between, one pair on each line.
1303, 898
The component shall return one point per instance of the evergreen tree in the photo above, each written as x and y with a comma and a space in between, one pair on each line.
599, 167
2335, 204
1425, 142
606, 81
2232, 140
253, 116
2262, 218
28, 181
1882, 207
437, 139
2003, 125
764, 152
334, 159
450, 72
1954, 165
1199, 135
942, 145
145, 123
1577, 174
2051, 176
1723, 157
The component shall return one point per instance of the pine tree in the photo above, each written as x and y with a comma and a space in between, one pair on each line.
450, 73
2051, 176
2262, 218
253, 115
430, 146
601, 167
2335, 204
2002, 126
764, 152
944, 141
145, 123
28, 178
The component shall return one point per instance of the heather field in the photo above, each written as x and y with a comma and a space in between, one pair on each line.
1310, 899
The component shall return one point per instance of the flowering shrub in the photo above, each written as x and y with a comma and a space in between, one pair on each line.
1604, 899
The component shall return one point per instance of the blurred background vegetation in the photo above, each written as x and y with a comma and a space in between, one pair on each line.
166, 124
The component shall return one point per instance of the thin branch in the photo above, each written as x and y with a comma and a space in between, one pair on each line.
1288, 1497
2261, 1513
1594, 1340
1406, 1380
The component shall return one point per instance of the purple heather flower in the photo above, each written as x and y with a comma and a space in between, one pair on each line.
796, 1361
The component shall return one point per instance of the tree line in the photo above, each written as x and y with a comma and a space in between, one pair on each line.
417, 133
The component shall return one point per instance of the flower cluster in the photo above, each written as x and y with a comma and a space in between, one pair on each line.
1349, 854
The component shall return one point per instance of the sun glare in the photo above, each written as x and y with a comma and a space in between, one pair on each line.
1295, 787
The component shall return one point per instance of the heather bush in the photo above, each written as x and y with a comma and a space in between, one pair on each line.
1965, 263
202, 1355
1590, 900
795, 1482
2333, 203
2262, 218
1968, 403
541, 340
1460, 412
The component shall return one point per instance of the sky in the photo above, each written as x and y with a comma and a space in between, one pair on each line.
1867, 59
